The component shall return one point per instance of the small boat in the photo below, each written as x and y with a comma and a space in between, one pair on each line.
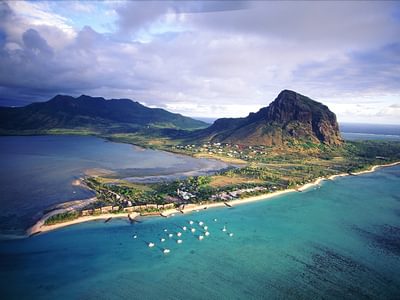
179, 241
184, 228
206, 233
165, 230
215, 220
201, 223
224, 229
205, 227
179, 234
162, 240
231, 234
191, 222
135, 236
166, 251
170, 235
201, 237
193, 229
151, 245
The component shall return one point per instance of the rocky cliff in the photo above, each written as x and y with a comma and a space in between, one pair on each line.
291, 116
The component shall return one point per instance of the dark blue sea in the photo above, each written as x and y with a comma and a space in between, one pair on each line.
359, 131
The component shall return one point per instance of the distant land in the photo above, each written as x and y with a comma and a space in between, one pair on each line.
90, 114
291, 116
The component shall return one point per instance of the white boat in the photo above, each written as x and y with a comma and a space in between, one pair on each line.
135, 236
201, 223
224, 229
151, 245
166, 251
165, 230
215, 220
191, 222
206, 233
205, 227
201, 237
170, 235
162, 240
179, 241
184, 228
193, 229
231, 234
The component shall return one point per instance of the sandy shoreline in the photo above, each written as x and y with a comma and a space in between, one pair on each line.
39, 227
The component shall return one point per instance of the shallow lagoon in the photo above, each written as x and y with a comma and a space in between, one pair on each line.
339, 241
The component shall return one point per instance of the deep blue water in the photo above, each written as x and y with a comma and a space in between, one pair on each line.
340, 241
37, 172
356, 131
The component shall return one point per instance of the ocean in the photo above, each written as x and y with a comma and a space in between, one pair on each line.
359, 131
337, 241
37, 172
340, 240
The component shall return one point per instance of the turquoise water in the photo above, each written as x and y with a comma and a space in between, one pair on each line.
340, 241
36, 172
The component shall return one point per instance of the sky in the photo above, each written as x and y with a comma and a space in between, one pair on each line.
205, 58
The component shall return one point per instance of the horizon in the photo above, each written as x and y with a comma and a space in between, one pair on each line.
215, 59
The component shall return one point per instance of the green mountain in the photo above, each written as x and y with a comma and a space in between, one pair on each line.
93, 114
290, 117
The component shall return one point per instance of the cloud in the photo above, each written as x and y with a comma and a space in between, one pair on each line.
34, 42
208, 58
137, 15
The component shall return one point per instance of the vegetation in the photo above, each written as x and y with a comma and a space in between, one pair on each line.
62, 217
267, 169
89, 115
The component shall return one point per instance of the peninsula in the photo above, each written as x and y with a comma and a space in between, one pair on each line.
287, 146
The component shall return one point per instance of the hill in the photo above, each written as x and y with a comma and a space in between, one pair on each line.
92, 114
290, 117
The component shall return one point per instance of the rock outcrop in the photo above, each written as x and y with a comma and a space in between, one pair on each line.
291, 116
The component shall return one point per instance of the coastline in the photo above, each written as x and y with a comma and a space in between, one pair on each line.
39, 227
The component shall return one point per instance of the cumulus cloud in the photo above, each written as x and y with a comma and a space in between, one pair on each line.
213, 58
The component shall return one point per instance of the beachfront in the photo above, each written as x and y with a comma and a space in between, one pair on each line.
40, 226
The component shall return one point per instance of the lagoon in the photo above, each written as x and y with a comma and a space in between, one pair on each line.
37, 172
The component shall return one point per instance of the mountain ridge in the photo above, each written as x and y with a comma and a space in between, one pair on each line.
290, 118
67, 112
